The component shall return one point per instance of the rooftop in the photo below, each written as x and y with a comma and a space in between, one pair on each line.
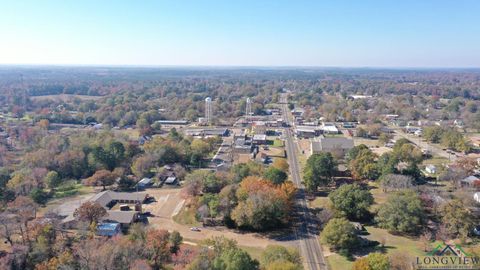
105, 197
330, 143
259, 137
124, 217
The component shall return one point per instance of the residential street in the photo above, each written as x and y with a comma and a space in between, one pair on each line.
307, 232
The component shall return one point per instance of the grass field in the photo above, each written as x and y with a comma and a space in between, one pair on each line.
72, 190
186, 216
392, 244
254, 252
277, 143
338, 262
132, 134
379, 196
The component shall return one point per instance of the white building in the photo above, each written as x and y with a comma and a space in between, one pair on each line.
329, 128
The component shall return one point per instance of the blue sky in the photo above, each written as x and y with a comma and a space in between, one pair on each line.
387, 33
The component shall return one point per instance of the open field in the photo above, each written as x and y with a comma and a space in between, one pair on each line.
130, 133
392, 245
379, 196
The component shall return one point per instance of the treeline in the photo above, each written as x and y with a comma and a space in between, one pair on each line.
447, 137
57, 89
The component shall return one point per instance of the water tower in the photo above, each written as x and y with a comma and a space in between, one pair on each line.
248, 109
208, 110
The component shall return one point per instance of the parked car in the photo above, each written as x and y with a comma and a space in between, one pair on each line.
195, 229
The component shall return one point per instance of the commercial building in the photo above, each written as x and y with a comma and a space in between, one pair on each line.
207, 132
308, 131
339, 145
329, 128
259, 139
173, 122
259, 127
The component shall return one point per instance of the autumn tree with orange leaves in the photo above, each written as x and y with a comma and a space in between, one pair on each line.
263, 205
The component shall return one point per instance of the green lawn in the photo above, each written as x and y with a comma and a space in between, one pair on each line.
379, 196
277, 143
437, 161
186, 216
393, 244
338, 262
254, 252
71, 189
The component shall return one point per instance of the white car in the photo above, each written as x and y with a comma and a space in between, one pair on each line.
195, 229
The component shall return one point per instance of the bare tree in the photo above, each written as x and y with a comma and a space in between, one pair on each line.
396, 182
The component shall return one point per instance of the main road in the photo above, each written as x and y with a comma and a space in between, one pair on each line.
307, 231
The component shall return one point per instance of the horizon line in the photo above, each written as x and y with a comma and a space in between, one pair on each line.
236, 66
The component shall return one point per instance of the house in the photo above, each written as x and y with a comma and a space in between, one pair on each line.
476, 197
331, 144
469, 181
164, 174
259, 139
108, 229
145, 182
431, 169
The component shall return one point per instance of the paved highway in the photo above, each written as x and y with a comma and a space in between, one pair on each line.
307, 232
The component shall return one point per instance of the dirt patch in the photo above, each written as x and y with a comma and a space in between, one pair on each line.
304, 145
